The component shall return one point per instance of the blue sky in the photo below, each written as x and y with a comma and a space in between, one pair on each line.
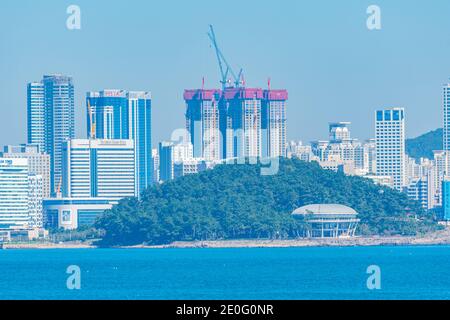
321, 51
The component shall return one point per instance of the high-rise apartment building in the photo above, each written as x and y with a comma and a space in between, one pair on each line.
442, 162
99, 169
273, 123
126, 115
390, 145
446, 105
236, 122
240, 122
36, 114
38, 162
51, 119
202, 122
166, 172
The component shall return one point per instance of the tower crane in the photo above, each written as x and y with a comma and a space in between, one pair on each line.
224, 66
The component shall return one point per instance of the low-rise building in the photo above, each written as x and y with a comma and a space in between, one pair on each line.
73, 213
20, 199
328, 220
189, 166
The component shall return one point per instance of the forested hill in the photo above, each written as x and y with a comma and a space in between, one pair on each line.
424, 145
236, 202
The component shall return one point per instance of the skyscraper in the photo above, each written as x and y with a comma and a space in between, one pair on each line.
51, 119
38, 162
166, 172
446, 199
446, 104
240, 122
273, 123
99, 169
109, 112
120, 114
390, 145
202, 122
236, 122
36, 114
14, 194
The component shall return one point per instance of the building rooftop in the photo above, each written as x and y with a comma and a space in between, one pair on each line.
325, 209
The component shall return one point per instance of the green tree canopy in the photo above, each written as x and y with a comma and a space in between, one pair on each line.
237, 202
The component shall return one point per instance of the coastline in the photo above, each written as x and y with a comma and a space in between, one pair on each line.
48, 245
437, 238
432, 239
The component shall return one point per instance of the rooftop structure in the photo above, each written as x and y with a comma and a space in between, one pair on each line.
339, 131
328, 220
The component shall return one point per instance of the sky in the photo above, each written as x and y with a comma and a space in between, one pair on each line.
322, 52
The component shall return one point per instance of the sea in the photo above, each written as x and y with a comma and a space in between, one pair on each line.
325, 273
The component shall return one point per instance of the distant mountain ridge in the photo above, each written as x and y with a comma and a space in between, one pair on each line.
424, 145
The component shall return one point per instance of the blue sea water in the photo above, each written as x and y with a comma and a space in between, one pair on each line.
267, 273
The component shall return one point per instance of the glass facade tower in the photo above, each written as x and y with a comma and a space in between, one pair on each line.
51, 119
390, 145
125, 115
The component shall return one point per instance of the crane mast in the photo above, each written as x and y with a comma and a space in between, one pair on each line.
224, 67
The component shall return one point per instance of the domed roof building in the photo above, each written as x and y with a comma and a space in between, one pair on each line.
328, 220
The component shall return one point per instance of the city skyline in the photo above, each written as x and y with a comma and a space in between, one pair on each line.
224, 151
375, 76
116, 158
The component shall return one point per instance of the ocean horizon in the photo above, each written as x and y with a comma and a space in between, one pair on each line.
317, 273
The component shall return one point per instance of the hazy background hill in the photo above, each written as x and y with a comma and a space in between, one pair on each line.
424, 145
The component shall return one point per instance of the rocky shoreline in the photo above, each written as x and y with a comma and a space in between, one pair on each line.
49, 245
436, 238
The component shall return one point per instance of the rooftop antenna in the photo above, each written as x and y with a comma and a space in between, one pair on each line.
224, 66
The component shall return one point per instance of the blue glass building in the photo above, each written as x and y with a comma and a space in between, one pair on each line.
166, 161
51, 119
390, 145
446, 199
120, 114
